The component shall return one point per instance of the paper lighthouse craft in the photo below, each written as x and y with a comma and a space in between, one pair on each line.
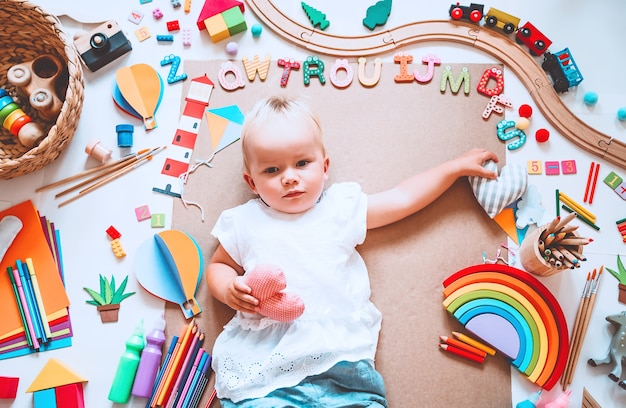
170, 266
57, 386
496, 196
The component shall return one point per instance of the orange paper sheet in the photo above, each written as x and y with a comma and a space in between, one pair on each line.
29, 243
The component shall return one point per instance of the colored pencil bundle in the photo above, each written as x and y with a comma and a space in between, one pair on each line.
583, 315
572, 207
466, 347
560, 245
184, 374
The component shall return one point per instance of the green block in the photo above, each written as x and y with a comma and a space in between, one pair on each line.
613, 180
234, 20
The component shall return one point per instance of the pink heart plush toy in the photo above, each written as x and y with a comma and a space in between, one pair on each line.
268, 283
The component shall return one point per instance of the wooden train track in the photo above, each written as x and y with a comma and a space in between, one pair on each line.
497, 45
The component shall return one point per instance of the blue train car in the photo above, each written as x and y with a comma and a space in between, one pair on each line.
562, 69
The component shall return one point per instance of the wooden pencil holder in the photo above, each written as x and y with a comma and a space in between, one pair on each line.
533, 260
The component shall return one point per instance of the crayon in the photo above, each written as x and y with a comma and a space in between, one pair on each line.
464, 346
475, 343
462, 353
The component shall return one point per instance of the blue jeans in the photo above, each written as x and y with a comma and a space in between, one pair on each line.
345, 385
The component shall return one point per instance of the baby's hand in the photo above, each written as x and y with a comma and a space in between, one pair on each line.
471, 163
238, 296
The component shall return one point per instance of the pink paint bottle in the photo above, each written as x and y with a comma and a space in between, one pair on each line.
150, 360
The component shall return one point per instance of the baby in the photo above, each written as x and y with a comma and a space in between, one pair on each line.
324, 357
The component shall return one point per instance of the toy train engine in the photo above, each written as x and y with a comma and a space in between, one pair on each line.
534, 39
562, 69
505, 22
472, 13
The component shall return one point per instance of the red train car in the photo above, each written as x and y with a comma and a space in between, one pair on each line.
535, 40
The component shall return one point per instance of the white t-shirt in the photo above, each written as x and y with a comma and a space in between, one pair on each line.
255, 355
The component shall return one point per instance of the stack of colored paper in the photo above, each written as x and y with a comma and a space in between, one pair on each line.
34, 303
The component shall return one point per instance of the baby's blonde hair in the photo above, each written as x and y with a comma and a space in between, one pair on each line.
266, 110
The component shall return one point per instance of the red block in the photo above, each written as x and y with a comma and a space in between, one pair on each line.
8, 387
70, 396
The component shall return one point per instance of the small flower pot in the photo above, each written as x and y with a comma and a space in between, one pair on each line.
109, 313
621, 295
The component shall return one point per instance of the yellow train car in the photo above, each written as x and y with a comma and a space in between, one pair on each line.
504, 21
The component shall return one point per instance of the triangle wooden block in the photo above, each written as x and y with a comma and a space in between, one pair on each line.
54, 374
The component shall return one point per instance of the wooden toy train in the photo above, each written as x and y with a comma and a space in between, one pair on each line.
559, 65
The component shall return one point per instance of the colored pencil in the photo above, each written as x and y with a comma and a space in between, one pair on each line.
42, 310
580, 217
589, 178
20, 307
464, 346
462, 353
475, 343
29, 320
593, 183
211, 398
577, 207
558, 201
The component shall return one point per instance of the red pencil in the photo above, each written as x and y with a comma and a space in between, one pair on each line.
464, 346
593, 183
461, 353
589, 178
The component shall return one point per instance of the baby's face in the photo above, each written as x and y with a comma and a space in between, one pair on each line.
287, 165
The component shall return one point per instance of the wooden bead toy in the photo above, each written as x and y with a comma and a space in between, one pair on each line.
16, 121
37, 80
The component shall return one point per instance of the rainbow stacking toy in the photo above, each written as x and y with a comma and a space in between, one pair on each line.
516, 314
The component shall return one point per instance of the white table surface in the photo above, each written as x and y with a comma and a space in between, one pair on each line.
593, 31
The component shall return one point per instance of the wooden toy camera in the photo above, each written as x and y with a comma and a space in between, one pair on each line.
41, 81
102, 45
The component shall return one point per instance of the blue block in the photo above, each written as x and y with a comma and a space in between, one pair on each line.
45, 398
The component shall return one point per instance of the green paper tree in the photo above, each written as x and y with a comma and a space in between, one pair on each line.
316, 17
620, 274
108, 294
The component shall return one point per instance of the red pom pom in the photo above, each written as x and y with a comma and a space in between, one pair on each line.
542, 135
525, 111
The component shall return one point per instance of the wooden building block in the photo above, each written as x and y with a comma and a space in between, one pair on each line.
235, 21
45, 399
70, 396
217, 28
8, 387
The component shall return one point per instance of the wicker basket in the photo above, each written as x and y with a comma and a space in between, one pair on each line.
27, 32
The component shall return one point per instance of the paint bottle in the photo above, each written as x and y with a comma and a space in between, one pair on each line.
127, 367
531, 402
150, 360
